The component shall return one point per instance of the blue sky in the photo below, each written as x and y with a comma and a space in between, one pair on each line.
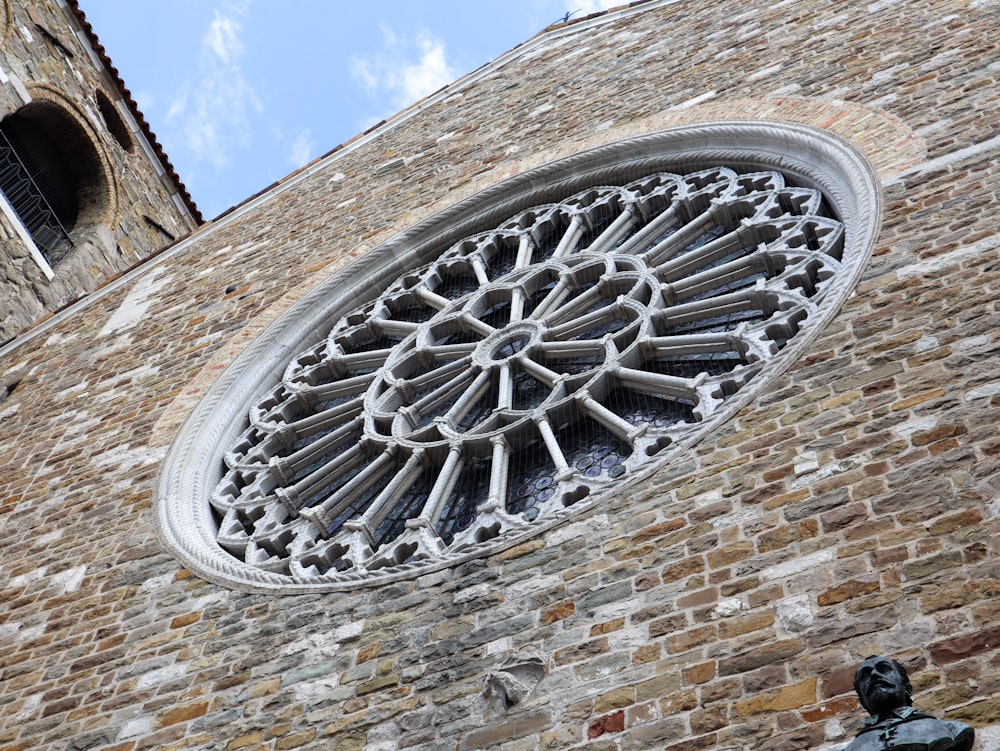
242, 92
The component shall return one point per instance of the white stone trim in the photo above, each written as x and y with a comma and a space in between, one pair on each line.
22, 232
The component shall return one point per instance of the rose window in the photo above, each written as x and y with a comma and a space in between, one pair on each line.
537, 351
525, 369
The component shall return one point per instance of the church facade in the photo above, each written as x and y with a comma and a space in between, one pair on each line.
626, 393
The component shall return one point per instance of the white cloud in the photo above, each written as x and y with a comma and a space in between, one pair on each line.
302, 149
216, 112
144, 99
178, 106
586, 7
223, 37
404, 70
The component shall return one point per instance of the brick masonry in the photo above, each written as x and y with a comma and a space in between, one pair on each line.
722, 603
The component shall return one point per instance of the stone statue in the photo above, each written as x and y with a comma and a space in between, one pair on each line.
884, 690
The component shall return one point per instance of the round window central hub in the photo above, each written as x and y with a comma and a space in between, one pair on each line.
507, 343
510, 347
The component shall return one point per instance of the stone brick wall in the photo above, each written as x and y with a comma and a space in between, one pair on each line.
722, 603
46, 55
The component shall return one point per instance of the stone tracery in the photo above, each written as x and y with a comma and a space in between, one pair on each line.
524, 369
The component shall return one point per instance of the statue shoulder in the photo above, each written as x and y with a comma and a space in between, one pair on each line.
864, 742
917, 732
963, 734
933, 735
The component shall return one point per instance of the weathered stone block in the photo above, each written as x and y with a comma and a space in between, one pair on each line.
183, 713
790, 697
846, 591
610, 723
516, 726
755, 658
961, 647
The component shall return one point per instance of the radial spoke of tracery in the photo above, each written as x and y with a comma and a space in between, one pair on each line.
394, 525
288, 468
443, 485
577, 305
336, 390
448, 352
432, 298
473, 393
359, 360
704, 226
479, 269
295, 497
538, 371
612, 234
505, 387
741, 272
499, 468
719, 251
722, 313
322, 514
549, 438
441, 372
690, 344
398, 484
447, 392
658, 383
517, 300
651, 233
524, 250
571, 237
613, 422
392, 327
575, 348
326, 419
597, 323
478, 325
552, 300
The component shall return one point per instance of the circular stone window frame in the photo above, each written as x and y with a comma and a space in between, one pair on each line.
193, 466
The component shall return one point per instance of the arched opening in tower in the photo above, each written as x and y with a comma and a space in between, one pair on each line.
51, 176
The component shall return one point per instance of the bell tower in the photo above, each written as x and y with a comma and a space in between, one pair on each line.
85, 188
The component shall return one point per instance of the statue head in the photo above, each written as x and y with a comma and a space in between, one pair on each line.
882, 685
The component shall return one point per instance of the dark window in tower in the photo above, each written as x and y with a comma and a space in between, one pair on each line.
116, 125
50, 175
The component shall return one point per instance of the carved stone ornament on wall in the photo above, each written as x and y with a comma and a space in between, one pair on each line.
508, 362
